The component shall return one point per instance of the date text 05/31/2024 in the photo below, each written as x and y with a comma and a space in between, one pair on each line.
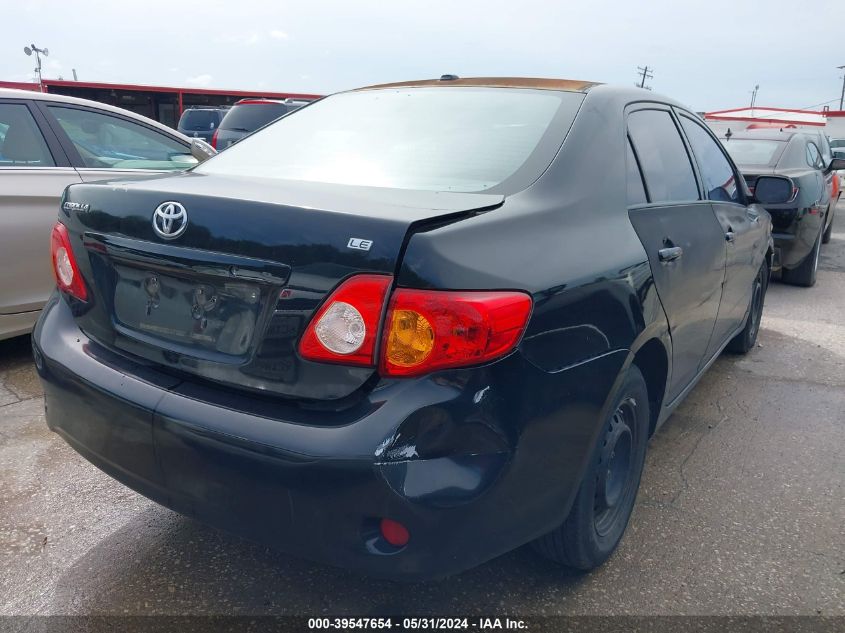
412, 624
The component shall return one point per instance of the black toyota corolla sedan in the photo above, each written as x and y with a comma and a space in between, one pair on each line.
409, 327
805, 222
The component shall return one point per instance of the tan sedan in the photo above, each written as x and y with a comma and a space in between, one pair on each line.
48, 142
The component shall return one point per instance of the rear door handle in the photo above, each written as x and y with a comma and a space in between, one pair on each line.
670, 254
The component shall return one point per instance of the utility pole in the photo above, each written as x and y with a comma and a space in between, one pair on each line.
754, 96
645, 73
842, 97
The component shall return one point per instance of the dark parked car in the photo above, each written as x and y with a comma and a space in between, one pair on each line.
248, 115
201, 122
803, 223
444, 325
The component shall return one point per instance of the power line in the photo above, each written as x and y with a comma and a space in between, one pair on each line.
816, 105
645, 73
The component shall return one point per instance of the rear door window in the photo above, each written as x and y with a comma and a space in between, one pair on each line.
21, 142
716, 172
110, 142
663, 158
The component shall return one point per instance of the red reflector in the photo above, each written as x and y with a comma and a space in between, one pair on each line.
345, 328
427, 330
65, 268
394, 533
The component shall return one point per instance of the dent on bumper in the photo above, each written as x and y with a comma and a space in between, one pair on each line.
470, 475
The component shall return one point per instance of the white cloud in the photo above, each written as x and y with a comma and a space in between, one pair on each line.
200, 81
276, 34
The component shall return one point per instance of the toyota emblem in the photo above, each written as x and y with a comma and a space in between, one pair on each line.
170, 220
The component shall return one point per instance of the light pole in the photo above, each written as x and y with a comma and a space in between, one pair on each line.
29, 50
842, 97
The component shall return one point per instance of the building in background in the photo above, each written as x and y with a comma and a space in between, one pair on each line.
162, 103
737, 119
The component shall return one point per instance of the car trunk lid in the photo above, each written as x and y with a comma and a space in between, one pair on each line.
228, 299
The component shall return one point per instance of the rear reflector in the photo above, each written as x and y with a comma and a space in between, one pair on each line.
345, 328
426, 330
394, 532
65, 268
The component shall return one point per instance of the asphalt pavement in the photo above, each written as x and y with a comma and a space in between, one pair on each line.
741, 510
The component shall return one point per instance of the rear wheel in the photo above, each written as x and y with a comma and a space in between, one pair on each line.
600, 513
747, 339
829, 230
805, 273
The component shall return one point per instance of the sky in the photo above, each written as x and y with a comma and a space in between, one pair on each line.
708, 55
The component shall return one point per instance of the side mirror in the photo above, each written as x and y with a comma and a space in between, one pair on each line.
773, 189
839, 162
201, 150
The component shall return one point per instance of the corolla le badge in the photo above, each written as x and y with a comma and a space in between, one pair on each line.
170, 220
79, 207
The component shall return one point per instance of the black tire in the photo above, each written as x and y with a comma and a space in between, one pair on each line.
743, 342
827, 232
805, 273
605, 499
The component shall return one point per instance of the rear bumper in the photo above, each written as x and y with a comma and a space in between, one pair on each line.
794, 245
315, 482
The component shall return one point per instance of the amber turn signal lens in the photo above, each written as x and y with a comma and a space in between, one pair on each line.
411, 338
427, 330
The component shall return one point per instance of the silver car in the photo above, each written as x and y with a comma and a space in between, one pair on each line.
48, 142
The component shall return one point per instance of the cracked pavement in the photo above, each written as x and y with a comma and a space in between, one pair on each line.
741, 510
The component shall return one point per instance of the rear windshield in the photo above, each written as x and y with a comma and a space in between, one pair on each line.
199, 120
442, 139
251, 116
747, 151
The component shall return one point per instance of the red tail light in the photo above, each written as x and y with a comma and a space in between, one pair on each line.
345, 329
214, 138
424, 330
427, 330
65, 268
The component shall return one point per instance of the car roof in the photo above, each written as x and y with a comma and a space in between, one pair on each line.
537, 83
260, 101
11, 93
766, 135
